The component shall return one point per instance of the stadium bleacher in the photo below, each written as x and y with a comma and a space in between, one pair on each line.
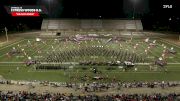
52, 26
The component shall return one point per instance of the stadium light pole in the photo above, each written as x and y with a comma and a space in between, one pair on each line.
134, 7
49, 6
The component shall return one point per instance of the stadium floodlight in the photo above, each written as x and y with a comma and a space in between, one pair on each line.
134, 6
49, 5
170, 19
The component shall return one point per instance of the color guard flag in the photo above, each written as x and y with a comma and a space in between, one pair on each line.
160, 58
154, 41
163, 55
38, 39
147, 40
29, 41
145, 51
29, 58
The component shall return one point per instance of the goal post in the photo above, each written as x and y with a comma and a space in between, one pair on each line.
7, 39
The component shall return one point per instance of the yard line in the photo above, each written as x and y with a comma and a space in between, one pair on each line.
168, 42
76, 63
36, 51
153, 53
2, 55
9, 46
91, 72
66, 63
156, 52
12, 44
10, 62
142, 63
43, 47
174, 63
149, 63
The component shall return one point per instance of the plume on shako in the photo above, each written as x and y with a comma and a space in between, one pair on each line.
154, 41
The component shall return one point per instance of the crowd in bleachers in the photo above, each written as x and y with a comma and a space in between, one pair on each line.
95, 87
27, 96
87, 88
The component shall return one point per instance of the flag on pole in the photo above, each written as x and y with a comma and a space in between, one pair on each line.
38, 39
145, 51
160, 58
29, 58
8, 55
29, 41
172, 48
164, 51
147, 40
25, 53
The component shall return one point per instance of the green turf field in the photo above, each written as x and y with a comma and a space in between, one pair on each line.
13, 67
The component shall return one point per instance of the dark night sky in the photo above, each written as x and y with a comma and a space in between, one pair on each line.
95, 8
150, 11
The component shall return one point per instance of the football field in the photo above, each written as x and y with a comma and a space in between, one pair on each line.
13, 58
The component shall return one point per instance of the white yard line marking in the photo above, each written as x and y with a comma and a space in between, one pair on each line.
150, 63
10, 62
12, 44
109, 72
9, 46
168, 42
153, 53
76, 63
2, 55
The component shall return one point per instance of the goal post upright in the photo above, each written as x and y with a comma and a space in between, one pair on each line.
7, 39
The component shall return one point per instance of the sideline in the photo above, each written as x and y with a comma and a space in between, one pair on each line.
76, 63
